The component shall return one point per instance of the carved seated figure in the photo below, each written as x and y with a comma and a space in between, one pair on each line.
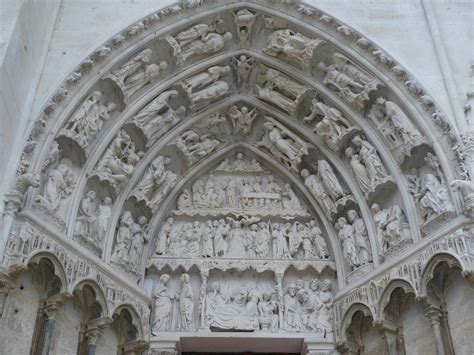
268, 313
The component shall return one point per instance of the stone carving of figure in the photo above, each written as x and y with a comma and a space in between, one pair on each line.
186, 304
291, 310
389, 225
88, 119
207, 240
279, 89
194, 146
286, 147
268, 313
329, 180
243, 66
231, 193
349, 81
139, 238
280, 243
156, 182
136, 73
118, 161
157, 117
320, 245
325, 311
290, 201
316, 187
359, 170
235, 240
193, 237
262, 240
86, 222
185, 200
103, 217
220, 231
199, 39
123, 239
307, 310
214, 300
361, 239
296, 47
164, 236
241, 119
346, 236
434, 198
59, 185
162, 307
373, 164
244, 20
332, 126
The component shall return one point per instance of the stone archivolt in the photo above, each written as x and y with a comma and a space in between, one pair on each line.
324, 138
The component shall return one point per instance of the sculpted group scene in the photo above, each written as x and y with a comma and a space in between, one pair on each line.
256, 170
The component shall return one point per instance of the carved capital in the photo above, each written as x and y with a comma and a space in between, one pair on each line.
53, 303
469, 276
95, 328
135, 347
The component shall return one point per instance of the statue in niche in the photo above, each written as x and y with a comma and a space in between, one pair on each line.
88, 120
330, 181
118, 161
207, 240
162, 307
157, 117
214, 300
279, 89
136, 73
53, 156
290, 200
372, 162
231, 193
308, 308
243, 66
395, 124
186, 304
103, 217
164, 237
60, 183
348, 80
199, 39
139, 238
320, 245
185, 200
206, 86
389, 223
326, 310
359, 170
317, 189
280, 243
239, 312
268, 313
175, 244
433, 197
291, 308
345, 233
156, 183
298, 48
86, 222
123, 239
235, 240
244, 20
283, 144
241, 119
361, 239
195, 146
332, 126
220, 232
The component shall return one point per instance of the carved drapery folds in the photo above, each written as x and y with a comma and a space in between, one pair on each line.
259, 96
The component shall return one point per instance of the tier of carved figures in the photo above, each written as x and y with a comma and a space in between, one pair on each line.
225, 305
247, 238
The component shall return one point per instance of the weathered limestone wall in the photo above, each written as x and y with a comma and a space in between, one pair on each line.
419, 338
460, 304
107, 343
66, 330
18, 320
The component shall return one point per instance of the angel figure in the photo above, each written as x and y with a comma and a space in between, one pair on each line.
241, 119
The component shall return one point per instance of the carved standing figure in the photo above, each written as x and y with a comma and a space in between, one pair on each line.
162, 307
434, 197
59, 185
291, 308
373, 164
330, 180
186, 304
103, 217
86, 222
243, 66
346, 236
361, 239
244, 20
164, 236
315, 186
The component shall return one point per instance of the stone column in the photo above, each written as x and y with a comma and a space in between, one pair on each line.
434, 315
448, 341
49, 309
6, 285
389, 332
279, 286
94, 331
202, 296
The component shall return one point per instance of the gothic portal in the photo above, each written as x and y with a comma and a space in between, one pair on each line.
240, 176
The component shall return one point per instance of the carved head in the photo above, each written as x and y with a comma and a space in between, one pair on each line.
349, 152
326, 285
91, 195
375, 208
185, 278
352, 215
292, 289
164, 279
314, 285
299, 284
107, 201
142, 220
304, 173
302, 296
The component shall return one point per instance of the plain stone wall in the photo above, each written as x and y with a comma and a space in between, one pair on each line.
107, 343
66, 330
460, 305
398, 26
419, 337
18, 321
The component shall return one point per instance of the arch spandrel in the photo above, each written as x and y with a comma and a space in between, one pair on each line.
338, 72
